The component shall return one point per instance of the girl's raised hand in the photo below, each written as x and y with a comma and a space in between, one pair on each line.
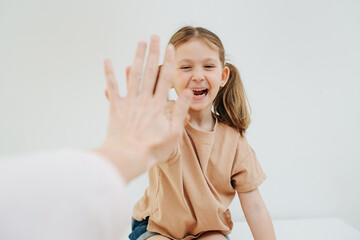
140, 133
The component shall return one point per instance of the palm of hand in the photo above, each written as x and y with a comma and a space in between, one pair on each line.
140, 119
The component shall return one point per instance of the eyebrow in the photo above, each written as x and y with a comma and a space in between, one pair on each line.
204, 60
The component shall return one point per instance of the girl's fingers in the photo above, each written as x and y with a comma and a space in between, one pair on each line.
111, 84
136, 71
180, 113
151, 69
166, 74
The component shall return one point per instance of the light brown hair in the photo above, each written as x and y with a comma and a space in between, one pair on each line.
230, 104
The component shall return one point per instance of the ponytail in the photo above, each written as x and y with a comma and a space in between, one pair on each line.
230, 104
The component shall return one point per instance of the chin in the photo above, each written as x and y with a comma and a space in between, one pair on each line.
198, 107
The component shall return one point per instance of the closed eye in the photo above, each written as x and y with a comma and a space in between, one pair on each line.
185, 67
209, 66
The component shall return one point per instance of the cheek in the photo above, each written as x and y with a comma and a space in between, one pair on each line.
215, 78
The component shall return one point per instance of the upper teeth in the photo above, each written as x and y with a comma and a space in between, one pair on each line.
199, 89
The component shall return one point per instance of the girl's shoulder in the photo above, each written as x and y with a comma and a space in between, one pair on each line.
229, 131
241, 142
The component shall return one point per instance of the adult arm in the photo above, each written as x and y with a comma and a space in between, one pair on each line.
67, 194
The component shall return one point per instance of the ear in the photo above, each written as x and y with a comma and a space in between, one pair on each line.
225, 76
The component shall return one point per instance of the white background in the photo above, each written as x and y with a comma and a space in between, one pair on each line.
299, 61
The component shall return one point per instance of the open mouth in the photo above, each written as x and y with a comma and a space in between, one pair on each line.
200, 92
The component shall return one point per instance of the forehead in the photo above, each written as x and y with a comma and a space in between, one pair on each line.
196, 50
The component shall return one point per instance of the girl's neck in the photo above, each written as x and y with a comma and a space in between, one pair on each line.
203, 120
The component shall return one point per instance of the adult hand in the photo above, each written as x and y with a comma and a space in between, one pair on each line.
139, 132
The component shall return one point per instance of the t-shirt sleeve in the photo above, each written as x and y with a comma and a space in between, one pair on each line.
247, 173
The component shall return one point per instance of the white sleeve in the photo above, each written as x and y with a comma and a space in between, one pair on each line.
67, 194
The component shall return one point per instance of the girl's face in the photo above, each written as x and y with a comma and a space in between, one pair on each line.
198, 68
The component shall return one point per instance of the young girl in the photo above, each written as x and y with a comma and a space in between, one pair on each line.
189, 195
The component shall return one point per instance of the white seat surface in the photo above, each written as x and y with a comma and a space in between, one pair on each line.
303, 229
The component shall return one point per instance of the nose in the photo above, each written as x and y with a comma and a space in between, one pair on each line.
198, 74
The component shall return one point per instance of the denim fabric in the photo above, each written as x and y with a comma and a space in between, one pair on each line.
139, 231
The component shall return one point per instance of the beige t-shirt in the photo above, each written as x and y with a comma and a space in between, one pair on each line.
190, 194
